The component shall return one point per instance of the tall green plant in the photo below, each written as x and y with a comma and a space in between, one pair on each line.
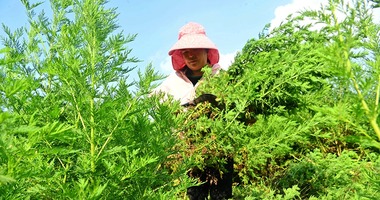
73, 126
358, 42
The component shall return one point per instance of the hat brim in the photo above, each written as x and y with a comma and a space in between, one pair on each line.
193, 41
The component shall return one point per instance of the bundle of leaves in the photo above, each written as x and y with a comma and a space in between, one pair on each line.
300, 107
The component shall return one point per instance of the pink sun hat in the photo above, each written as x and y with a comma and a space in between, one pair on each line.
192, 36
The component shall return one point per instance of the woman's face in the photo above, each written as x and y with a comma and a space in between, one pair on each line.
195, 59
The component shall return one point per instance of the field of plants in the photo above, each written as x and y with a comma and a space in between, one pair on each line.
297, 111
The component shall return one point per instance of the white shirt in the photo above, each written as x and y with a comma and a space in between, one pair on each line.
180, 87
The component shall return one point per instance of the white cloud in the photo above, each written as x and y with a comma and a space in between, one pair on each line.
226, 60
166, 65
376, 15
296, 6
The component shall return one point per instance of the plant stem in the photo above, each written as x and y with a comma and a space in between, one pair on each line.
92, 135
377, 95
347, 63
372, 119
92, 120
113, 130
76, 103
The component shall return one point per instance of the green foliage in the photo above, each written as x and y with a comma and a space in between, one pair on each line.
300, 110
329, 176
71, 126
376, 3
297, 111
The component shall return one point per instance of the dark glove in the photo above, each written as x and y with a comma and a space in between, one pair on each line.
204, 98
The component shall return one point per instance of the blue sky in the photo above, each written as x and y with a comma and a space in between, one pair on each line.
229, 24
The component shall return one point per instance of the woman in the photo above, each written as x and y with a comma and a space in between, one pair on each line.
193, 51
